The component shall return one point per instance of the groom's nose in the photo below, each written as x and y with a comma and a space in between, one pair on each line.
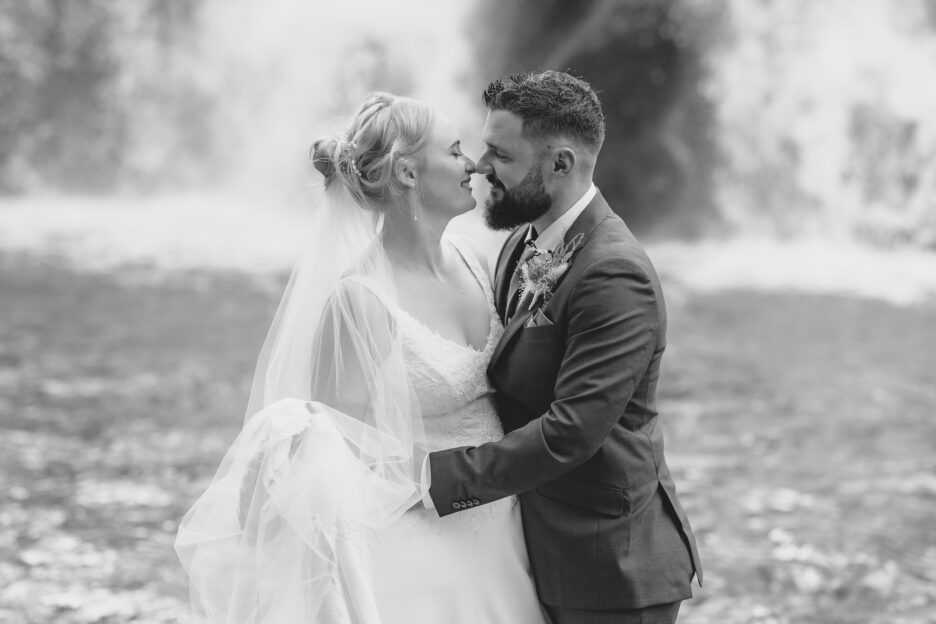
483, 166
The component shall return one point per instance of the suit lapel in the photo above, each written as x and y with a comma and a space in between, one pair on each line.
521, 316
507, 264
596, 212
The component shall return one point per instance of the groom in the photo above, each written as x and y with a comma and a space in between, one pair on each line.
575, 372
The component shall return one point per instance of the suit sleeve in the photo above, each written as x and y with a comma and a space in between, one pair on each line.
613, 331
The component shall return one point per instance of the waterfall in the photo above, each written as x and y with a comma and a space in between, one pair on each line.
199, 115
824, 114
287, 71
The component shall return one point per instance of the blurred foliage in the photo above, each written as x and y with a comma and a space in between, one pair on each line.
646, 60
761, 116
95, 96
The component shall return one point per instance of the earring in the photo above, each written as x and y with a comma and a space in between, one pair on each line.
415, 213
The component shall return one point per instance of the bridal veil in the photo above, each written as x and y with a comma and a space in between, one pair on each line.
330, 449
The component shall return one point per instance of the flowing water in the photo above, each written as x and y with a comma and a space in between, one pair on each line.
291, 70
822, 112
825, 119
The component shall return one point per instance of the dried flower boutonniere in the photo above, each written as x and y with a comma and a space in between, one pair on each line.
540, 273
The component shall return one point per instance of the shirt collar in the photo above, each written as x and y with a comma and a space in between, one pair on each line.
556, 231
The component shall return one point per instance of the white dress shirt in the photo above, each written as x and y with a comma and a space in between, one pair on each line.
556, 231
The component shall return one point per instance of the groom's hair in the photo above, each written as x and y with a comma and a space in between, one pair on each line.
550, 103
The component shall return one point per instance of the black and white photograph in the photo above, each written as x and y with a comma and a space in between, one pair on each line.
480, 312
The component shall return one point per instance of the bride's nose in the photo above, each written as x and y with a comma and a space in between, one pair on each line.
470, 166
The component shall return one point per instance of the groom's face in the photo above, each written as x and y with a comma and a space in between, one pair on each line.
513, 165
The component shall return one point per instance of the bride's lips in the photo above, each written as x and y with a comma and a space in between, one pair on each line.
466, 183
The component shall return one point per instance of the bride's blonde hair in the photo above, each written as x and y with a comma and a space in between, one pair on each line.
384, 130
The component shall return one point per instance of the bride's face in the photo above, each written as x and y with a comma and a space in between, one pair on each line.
445, 183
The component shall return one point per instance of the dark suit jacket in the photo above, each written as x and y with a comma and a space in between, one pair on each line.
576, 394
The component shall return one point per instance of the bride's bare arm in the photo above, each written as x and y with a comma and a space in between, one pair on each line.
354, 336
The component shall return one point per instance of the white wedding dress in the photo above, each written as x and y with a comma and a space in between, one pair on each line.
304, 521
470, 567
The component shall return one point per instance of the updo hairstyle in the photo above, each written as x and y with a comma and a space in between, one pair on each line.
385, 129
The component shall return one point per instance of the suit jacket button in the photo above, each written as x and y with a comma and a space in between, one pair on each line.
455, 505
476, 501
469, 504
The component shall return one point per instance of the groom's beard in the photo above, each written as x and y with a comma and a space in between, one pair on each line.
524, 203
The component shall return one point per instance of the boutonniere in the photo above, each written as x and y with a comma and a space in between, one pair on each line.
540, 272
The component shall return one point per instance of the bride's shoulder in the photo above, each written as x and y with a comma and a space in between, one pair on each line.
361, 301
356, 287
367, 278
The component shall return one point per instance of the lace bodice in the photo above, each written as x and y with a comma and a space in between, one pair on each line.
450, 379
455, 399
454, 395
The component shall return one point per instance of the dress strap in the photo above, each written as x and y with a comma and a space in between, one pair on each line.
467, 254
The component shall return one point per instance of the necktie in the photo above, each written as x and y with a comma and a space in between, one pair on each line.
528, 250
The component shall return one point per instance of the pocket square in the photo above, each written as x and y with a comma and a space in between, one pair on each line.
539, 319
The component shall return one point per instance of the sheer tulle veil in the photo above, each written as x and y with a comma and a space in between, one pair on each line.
330, 449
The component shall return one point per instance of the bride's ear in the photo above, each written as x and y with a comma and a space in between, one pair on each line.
405, 172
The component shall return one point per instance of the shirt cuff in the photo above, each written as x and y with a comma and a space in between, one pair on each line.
426, 481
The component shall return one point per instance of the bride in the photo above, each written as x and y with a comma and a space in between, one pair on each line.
376, 357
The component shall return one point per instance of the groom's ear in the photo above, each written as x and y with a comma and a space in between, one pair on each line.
563, 161
405, 172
